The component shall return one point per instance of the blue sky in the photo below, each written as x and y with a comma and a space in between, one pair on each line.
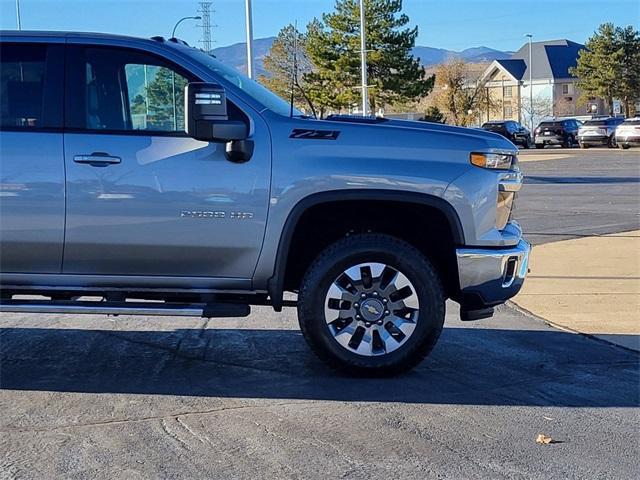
451, 24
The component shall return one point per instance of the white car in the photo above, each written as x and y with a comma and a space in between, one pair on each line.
628, 133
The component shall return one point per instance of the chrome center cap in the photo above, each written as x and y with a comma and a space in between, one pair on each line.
372, 310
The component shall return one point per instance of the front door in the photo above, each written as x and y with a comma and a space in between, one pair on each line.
142, 197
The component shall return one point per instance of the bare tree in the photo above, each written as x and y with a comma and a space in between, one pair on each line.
541, 108
460, 93
287, 62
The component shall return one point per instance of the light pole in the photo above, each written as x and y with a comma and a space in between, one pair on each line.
18, 22
530, 84
363, 61
173, 75
249, 24
173, 33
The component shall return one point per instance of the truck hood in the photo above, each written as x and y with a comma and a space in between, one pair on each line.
393, 127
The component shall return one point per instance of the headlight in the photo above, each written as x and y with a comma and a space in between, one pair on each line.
492, 160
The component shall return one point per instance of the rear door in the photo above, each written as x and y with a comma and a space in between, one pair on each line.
143, 198
32, 189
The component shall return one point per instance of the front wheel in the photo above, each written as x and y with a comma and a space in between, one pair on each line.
371, 304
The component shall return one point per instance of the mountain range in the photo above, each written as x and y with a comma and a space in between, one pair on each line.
235, 55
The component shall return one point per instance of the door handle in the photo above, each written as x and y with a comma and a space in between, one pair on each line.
97, 159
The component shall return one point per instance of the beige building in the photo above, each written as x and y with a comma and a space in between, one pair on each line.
553, 88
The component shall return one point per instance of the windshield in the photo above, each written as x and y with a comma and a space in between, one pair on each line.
550, 124
252, 88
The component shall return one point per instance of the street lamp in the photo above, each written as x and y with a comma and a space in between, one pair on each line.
530, 83
173, 75
18, 21
363, 61
249, 26
173, 33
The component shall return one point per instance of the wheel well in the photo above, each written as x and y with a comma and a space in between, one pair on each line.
425, 227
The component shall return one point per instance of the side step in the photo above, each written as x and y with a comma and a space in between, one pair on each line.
208, 310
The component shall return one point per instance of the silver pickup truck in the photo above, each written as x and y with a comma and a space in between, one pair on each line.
142, 176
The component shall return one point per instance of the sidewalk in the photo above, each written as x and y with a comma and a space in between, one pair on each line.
589, 285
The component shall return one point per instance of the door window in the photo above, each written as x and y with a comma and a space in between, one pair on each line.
125, 90
22, 76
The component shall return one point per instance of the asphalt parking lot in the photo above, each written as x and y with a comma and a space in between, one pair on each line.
98, 397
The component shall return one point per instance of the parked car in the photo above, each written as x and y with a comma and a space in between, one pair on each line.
628, 133
599, 131
218, 197
511, 130
557, 132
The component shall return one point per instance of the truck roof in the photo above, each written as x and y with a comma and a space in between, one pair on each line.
42, 34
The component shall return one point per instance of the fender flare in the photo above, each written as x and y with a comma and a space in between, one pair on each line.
275, 285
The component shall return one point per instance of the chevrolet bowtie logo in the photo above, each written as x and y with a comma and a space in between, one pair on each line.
372, 310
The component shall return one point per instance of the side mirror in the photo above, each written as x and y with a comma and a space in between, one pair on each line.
206, 114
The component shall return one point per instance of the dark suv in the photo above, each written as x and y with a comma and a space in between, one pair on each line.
599, 131
511, 130
557, 132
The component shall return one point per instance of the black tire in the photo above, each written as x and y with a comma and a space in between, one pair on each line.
539, 146
584, 145
624, 147
612, 142
365, 248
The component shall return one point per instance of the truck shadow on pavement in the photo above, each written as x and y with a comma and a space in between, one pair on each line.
533, 179
474, 366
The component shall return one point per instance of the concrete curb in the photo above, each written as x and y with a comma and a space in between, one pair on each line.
563, 328
588, 285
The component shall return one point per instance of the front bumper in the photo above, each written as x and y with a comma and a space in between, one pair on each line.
491, 276
549, 140
594, 140
628, 140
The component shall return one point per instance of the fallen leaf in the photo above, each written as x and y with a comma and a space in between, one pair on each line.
544, 439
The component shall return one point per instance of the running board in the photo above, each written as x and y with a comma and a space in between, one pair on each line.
208, 310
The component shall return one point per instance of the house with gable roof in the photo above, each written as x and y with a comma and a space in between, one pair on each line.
553, 88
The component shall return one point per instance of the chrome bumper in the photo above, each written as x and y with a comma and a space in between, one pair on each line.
490, 277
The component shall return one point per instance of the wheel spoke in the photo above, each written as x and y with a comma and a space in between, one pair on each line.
397, 334
338, 303
356, 338
388, 277
340, 324
344, 336
402, 324
365, 274
390, 343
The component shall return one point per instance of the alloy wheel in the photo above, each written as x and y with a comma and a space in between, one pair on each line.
371, 309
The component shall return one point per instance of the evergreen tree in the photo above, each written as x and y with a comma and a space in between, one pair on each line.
433, 114
629, 86
609, 67
160, 95
333, 47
